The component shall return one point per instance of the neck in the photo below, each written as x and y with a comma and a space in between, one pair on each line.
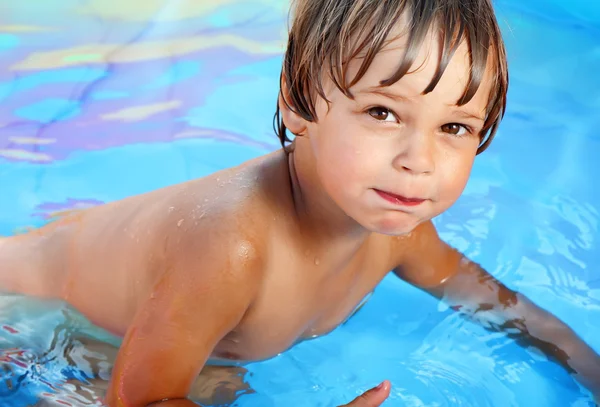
318, 215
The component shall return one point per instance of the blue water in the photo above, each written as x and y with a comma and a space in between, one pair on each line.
529, 215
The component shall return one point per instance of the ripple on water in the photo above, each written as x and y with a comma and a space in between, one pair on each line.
50, 355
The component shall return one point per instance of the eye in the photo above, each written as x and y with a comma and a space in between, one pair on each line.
455, 129
382, 114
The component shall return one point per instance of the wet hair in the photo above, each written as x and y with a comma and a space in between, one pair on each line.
326, 35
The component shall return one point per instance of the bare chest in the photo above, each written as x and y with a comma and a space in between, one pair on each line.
299, 304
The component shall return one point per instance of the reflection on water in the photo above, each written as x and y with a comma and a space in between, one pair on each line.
51, 356
46, 358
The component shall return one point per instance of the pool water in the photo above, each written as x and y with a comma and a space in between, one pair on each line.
102, 99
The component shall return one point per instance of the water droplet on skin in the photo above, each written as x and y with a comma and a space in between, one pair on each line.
180, 222
317, 261
171, 209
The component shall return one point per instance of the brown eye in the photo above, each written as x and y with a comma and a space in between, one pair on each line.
454, 128
380, 113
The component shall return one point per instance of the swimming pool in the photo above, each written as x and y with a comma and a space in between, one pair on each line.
102, 91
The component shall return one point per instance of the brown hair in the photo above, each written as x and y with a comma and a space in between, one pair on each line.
324, 36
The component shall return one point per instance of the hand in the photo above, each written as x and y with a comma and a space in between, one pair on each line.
373, 397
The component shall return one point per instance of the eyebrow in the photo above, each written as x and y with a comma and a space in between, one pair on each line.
468, 115
400, 98
382, 92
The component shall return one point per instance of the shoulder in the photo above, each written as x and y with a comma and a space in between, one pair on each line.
224, 221
219, 241
423, 259
208, 239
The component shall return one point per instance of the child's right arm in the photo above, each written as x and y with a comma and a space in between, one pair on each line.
202, 295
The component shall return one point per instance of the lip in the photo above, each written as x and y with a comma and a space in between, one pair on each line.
399, 199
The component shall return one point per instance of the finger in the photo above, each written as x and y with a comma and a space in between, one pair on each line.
373, 397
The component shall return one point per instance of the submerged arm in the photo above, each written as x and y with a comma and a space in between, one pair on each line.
446, 274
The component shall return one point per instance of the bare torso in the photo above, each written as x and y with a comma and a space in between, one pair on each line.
307, 290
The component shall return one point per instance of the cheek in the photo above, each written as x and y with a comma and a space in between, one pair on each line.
455, 175
343, 153
339, 165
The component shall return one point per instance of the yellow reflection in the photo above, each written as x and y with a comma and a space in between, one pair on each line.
24, 28
32, 140
143, 51
196, 133
16, 154
137, 113
161, 10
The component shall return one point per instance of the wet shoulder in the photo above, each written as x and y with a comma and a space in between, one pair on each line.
229, 214
422, 240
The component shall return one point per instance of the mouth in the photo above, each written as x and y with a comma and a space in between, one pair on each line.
399, 199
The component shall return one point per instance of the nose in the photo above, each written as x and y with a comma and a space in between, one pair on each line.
416, 154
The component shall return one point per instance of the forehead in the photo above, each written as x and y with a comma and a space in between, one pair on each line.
452, 84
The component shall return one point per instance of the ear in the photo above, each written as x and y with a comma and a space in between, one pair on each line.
293, 121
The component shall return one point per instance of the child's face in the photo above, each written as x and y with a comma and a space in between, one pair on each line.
394, 141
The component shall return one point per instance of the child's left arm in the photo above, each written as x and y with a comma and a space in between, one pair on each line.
432, 265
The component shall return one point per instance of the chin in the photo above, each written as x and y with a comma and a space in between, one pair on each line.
394, 227
396, 232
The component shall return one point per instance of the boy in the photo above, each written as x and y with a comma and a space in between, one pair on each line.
389, 101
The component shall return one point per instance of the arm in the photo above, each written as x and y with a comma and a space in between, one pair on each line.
443, 272
175, 330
